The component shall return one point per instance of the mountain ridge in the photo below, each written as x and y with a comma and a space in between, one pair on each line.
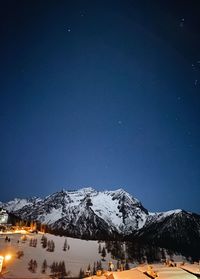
87, 213
117, 208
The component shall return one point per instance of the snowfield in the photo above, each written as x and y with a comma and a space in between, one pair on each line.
80, 254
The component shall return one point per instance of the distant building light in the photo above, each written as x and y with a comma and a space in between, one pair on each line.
8, 257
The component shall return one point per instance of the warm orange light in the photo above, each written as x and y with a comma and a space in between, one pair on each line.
8, 257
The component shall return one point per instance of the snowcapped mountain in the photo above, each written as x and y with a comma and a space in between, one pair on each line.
108, 214
172, 225
84, 212
177, 230
17, 204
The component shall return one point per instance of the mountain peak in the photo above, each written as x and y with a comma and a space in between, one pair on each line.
87, 190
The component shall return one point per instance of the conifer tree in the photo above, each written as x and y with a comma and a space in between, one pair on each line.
81, 273
44, 266
52, 245
49, 245
163, 254
127, 265
103, 253
31, 242
65, 246
94, 269
30, 265
53, 267
118, 264
62, 269
34, 265
100, 248
44, 241
56, 267
42, 238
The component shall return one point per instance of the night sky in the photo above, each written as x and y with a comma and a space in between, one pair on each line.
103, 94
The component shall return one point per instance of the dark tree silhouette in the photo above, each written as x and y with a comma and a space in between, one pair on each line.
103, 253
127, 267
81, 273
32, 265
100, 248
94, 269
44, 241
65, 246
44, 266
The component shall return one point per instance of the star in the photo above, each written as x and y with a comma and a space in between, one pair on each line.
82, 14
182, 22
67, 29
119, 122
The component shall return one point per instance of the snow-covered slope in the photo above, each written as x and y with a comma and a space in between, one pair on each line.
18, 203
81, 253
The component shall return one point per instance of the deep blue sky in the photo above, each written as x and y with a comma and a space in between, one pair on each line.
103, 94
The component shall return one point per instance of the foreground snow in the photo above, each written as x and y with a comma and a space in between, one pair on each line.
194, 268
162, 271
80, 254
165, 272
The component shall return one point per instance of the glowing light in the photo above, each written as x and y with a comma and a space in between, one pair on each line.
8, 257
1, 263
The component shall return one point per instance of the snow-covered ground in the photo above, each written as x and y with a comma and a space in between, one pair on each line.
193, 268
80, 254
165, 272
127, 274
162, 271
